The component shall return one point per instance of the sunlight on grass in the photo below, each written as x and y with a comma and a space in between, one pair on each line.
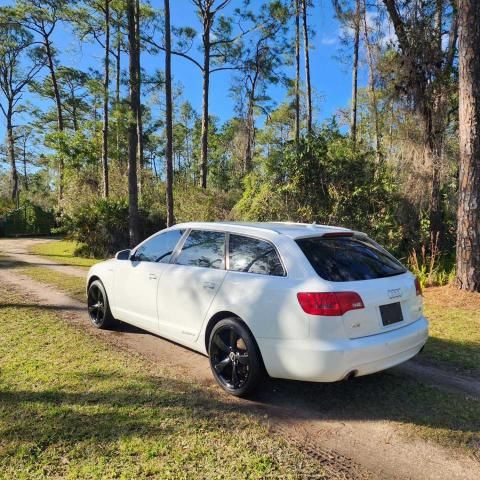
71, 406
72, 285
62, 251
454, 337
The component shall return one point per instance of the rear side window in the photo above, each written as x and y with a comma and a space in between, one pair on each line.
203, 249
159, 248
345, 259
253, 256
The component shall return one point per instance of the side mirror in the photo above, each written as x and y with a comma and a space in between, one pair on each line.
123, 255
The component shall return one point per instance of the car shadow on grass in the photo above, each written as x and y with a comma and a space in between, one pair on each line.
136, 405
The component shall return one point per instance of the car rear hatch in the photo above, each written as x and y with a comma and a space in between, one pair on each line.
389, 303
352, 262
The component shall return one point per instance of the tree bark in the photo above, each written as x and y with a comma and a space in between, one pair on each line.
371, 84
297, 72
308, 85
140, 157
468, 230
250, 127
207, 23
117, 85
133, 217
24, 155
356, 44
58, 104
106, 83
168, 115
11, 155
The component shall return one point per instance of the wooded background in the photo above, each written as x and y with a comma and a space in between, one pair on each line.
118, 154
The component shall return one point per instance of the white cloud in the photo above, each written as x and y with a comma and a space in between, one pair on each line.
328, 41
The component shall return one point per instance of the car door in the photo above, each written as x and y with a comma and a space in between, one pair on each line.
258, 289
136, 279
189, 285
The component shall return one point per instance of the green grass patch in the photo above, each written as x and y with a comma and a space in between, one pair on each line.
72, 285
63, 251
71, 406
454, 337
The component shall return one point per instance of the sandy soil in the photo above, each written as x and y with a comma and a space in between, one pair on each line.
349, 447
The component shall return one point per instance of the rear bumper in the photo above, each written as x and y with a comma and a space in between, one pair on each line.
330, 361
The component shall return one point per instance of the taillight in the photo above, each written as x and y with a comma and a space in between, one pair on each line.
329, 303
418, 287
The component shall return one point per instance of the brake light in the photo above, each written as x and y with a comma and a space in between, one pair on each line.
329, 303
418, 287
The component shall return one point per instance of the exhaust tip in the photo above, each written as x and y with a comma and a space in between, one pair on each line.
351, 375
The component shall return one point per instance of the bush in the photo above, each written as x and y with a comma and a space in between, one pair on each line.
101, 226
329, 182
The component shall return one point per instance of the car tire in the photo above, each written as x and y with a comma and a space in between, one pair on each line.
235, 359
98, 306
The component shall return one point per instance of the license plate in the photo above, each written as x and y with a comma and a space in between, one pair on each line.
391, 313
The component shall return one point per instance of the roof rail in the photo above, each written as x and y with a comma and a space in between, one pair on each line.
231, 224
248, 225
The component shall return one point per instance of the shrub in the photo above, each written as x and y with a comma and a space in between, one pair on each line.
101, 226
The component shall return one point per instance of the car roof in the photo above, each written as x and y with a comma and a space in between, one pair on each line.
290, 229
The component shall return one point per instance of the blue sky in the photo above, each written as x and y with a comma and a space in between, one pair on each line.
331, 79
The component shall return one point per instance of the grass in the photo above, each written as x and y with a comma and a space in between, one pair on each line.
63, 251
73, 286
454, 328
72, 406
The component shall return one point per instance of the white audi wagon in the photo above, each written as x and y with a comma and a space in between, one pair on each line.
295, 301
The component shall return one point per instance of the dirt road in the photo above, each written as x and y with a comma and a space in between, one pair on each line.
318, 417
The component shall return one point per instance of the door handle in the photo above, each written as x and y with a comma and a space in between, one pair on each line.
152, 276
209, 285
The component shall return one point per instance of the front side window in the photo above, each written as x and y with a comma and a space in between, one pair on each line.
159, 248
203, 249
253, 256
346, 259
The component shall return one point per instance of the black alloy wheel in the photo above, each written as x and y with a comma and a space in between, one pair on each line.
234, 357
98, 308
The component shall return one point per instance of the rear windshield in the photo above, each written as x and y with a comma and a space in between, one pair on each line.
345, 259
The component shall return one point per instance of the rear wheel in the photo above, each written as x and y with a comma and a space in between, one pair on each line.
234, 357
98, 307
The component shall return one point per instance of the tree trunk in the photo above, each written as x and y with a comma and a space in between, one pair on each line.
206, 85
140, 157
250, 127
24, 155
371, 84
468, 230
117, 86
297, 72
133, 218
356, 44
58, 104
168, 115
11, 155
106, 83
250, 124
307, 67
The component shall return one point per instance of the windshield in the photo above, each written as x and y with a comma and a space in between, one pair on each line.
346, 259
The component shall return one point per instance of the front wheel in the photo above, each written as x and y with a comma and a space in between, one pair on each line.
98, 307
234, 358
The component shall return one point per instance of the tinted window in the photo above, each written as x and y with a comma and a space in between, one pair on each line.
159, 248
203, 249
253, 256
343, 259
